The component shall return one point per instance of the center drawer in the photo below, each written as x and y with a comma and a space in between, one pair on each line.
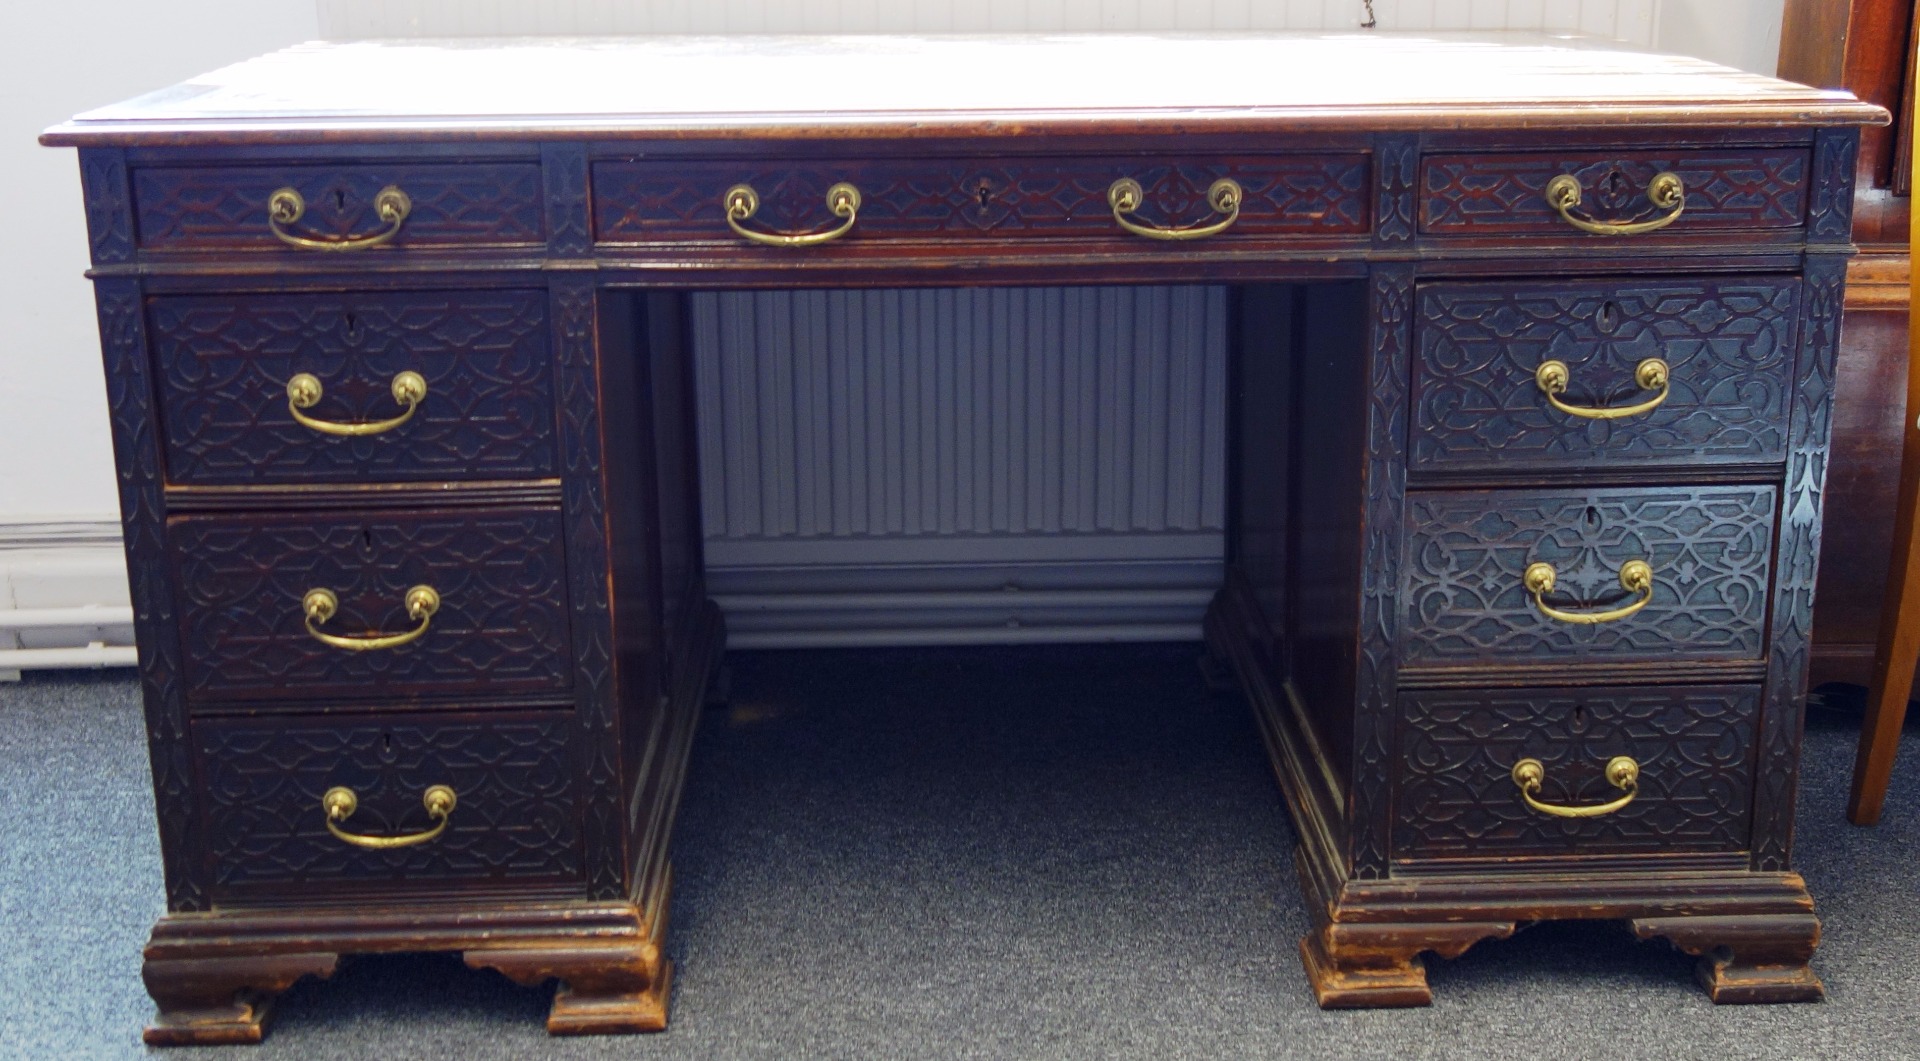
513, 823
227, 365
1473, 595
648, 201
498, 623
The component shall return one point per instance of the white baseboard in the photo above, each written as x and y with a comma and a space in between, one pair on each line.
63, 596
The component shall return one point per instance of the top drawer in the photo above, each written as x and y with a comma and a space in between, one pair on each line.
1760, 190
338, 206
648, 201
1724, 347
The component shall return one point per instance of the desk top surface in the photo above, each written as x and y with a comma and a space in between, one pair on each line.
947, 86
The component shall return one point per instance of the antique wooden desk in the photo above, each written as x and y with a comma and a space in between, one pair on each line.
1534, 343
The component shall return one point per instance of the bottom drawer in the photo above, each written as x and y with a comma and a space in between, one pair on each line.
1456, 797
514, 824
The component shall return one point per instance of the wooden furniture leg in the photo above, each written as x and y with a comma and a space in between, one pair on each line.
1899, 649
1746, 959
217, 1001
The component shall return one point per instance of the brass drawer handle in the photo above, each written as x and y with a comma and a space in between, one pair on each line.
1126, 196
320, 604
1636, 576
742, 202
304, 390
287, 206
1622, 773
1665, 191
1650, 374
340, 803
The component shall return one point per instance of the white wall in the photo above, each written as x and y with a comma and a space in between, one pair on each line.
1744, 34
56, 59
1739, 33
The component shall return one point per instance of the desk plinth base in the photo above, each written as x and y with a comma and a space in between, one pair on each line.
1754, 932
214, 976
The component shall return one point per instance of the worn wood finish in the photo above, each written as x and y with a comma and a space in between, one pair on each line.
870, 87
1393, 465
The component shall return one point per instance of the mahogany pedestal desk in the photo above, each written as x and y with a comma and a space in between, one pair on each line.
1533, 356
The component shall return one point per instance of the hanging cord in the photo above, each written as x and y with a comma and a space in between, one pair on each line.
1371, 21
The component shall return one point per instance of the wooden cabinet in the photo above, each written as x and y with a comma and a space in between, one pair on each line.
1533, 373
1864, 47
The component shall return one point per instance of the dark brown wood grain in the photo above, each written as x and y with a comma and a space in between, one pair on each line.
1391, 476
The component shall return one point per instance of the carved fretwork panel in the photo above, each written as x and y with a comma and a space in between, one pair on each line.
1728, 344
1455, 796
516, 819
564, 167
577, 354
224, 362
1396, 162
1487, 194
1390, 293
136, 458
502, 625
209, 208
1806, 485
643, 201
103, 176
1710, 549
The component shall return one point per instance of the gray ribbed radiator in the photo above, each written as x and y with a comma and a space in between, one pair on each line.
953, 466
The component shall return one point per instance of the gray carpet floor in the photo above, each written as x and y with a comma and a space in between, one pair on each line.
965, 853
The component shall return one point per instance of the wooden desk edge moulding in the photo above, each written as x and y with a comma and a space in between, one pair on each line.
397, 361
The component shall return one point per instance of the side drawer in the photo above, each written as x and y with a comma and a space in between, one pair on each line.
500, 627
514, 824
447, 204
1455, 795
1758, 191
1709, 550
226, 362
1727, 346
638, 201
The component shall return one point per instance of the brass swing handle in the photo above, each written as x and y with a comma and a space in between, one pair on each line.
1622, 773
742, 202
1650, 374
1125, 196
1665, 191
1636, 576
340, 803
304, 391
321, 604
287, 206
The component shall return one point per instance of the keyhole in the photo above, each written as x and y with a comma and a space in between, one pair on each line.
340, 199
1608, 317
1615, 183
1579, 717
353, 327
366, 541
386, 743
984, 193
1593, 517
